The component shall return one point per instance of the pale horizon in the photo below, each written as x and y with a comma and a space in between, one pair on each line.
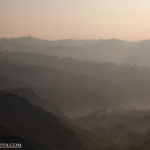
75, 19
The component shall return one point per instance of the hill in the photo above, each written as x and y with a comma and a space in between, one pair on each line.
78, 87
38, 128
111, 50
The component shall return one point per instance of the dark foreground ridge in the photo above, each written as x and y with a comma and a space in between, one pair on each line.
41, 130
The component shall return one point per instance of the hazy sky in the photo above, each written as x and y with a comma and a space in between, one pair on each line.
79, 19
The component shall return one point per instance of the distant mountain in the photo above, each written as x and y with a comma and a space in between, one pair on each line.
39, 129
112, 50
52, 83
78, 87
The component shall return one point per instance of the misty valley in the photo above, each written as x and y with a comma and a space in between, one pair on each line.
75, 94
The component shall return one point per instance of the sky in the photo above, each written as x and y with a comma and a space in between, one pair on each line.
76, 19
